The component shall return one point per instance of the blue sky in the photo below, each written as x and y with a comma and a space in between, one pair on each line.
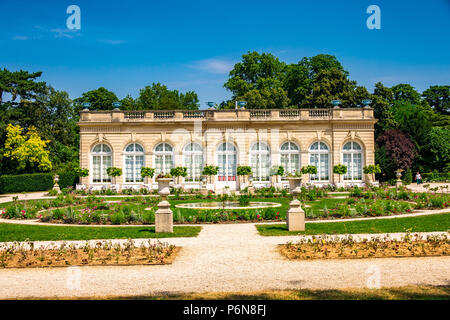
192, 45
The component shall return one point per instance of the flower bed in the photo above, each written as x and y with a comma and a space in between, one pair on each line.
229, 215
352, 207
326, 247
103, 253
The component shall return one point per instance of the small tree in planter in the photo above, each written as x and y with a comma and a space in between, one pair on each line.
178, 172
309, 170
340, 169
81, 173
372, 169
243, 171
210, 171
276, 171
146, 173
114, 172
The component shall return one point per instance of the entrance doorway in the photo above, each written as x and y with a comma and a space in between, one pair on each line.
227, 162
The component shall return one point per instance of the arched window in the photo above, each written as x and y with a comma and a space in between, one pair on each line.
319, 157
352, 158
101, 160
260, 161
163, 158
290, 157
134, 161
193, 161
227, 162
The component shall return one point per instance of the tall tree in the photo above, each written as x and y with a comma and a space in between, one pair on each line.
28, 150
100, 99
297, 83
438, 97
406, 93
20, 84
159, 97
382, 100
398, 147
256, 71
440, 147
321, 62
331, 84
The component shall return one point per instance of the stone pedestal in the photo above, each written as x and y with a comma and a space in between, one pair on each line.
295, 217
398, 183
56, 187
204, 191
164, 217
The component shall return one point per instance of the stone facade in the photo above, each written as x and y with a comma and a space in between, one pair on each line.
210, 129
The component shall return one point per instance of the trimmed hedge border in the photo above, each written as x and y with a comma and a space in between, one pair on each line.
34, 182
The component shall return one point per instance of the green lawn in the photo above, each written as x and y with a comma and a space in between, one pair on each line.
437, 222
17, 232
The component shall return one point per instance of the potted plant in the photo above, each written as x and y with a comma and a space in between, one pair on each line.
163, 180
114, 173
275, 172
81, 173
245, 172
178, 172
294, 178
372, 170
146, 173
210, 171
340, 169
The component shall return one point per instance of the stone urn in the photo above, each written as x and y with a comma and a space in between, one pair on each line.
163, 186
398, 174
163, 216
294, 184
295, 217
56, 185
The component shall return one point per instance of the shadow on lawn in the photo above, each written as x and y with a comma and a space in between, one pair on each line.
400, 293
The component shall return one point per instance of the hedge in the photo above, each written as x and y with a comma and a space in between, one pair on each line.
34, 182
435, 177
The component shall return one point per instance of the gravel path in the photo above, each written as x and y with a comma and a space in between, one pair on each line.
222, 258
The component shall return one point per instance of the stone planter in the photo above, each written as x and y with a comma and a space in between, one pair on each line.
163, 216
294, 184
163, 185
80, 186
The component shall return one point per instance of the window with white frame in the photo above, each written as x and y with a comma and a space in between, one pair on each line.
352, 157
163, 158
227, 162
193, 161
290, 157
319, 157
134, 161
101, 156
260, 161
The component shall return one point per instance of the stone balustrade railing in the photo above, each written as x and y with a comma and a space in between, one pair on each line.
228, 115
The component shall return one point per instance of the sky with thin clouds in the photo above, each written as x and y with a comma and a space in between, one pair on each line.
192, 45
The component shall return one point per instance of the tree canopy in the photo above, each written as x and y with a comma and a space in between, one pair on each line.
412, 131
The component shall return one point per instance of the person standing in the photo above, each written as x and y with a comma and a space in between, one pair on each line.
418, 178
